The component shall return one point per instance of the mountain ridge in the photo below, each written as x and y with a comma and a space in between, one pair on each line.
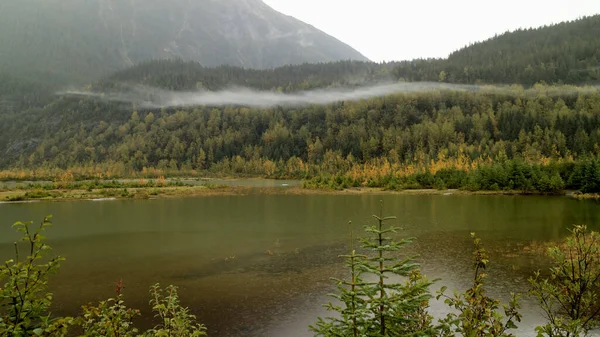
75, 130
98, 37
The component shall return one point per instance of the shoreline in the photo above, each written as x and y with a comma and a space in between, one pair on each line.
109, 194
152, 192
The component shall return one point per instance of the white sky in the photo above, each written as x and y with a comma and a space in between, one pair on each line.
388, 30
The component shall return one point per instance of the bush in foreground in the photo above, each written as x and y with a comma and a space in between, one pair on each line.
25, 300
392, 301
569, 296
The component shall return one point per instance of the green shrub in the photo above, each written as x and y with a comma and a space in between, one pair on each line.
439, 184
110, 318
37, 195
16, 197
591, 182
557, 184
24, 298
175, 319
425, 180
570, 295
25, 301
452, 178
476, 314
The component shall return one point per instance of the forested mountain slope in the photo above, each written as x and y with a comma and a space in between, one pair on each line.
181, 75
516, 123
568, 52
545, 122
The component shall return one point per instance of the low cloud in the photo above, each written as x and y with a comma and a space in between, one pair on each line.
148, 97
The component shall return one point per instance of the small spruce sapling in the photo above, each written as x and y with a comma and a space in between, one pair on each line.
394, 303
353, 315
397, 307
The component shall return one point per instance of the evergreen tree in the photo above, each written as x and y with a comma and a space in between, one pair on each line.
382, 307
353, 312
591, 183
393, 304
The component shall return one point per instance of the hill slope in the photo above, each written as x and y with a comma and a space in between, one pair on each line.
37, 122
568, 52
80, 40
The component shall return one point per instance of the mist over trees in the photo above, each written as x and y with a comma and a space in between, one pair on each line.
526, 122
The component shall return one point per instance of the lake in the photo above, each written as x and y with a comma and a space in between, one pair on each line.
259, 265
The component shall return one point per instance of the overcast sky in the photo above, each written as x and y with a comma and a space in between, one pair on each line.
387, 30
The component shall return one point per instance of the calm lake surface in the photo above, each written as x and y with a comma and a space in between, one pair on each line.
259, 265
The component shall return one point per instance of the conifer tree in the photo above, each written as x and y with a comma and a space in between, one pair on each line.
592, 177
396, 307
392, 304
353, 313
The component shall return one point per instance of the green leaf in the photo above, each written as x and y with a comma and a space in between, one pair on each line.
511, 325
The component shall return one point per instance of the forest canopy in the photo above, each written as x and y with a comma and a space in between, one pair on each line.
540, 119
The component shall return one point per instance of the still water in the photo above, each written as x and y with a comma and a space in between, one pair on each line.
259, 265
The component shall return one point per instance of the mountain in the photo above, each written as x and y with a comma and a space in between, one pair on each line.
74, 40
567, 52
78, 130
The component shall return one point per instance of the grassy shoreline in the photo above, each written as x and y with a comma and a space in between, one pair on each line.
25, 194
139, 193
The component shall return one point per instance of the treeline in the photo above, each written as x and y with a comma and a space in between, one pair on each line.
43, 132
529, 125
510, 176
562, 53
568, 52
185, 75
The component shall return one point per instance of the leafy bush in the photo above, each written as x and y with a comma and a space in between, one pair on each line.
477, 315
175, 319
25, 301
110, 318
570, 295
24, 298
13, 198
452, 178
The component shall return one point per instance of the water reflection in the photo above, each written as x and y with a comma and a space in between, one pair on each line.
259, 265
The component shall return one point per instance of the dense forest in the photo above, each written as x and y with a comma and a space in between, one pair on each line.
567, 52
407, 132
527, 124
416, 132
